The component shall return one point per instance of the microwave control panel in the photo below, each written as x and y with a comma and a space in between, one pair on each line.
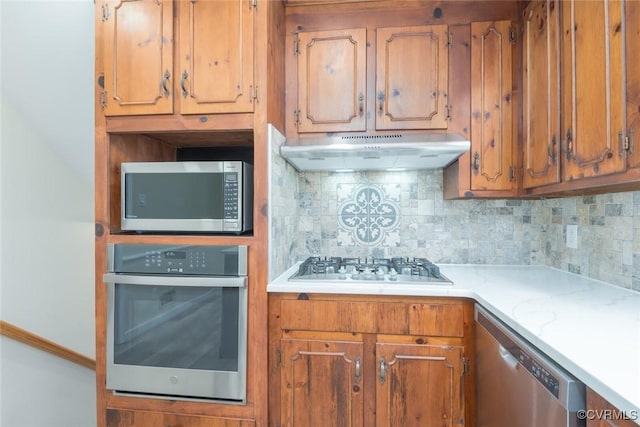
231, 195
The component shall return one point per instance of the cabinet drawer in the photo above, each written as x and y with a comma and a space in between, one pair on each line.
373, 317
127, 418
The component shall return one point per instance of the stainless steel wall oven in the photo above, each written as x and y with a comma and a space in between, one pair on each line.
177, 320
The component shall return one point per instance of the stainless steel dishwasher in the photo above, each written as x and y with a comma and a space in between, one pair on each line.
517, 385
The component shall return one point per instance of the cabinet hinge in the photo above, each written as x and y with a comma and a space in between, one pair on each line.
449, 108
254, 94
512, 35
449, 39
625, 142
278, 357
296, 47
465, 366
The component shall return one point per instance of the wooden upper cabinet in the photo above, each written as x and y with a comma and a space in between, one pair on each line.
541, 94
593, 81
216, 56
322, 383
418, 385
632, 25
492, 139
332, 77
412, 77
138, 57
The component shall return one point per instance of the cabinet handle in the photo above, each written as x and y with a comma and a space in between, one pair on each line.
360, 105
183, 81
357, 376
568, 145
551, 149
380, 103
476, 162
165, 79
383, 371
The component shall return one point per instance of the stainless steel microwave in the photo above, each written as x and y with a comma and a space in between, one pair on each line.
207, 197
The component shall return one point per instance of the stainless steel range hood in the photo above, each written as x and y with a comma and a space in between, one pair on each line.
374, 152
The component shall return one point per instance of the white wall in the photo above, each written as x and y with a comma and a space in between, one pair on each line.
46, 209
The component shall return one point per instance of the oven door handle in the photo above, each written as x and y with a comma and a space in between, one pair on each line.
170, 280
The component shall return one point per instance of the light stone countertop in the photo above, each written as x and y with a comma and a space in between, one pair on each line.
589, 327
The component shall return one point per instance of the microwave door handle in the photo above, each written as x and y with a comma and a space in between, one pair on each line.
203, 281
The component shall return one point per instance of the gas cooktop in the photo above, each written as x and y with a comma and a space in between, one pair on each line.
399, 270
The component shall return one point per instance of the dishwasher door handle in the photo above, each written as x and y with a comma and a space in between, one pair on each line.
507, 357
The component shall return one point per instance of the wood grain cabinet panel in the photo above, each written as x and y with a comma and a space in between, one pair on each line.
601, 413
138, 57
322, 383
632, 43
211, 72
541, 97
374, 317
593, 98
492, 138
129, 418
216, 57
331, 80
373, 363
418, 385
412, 77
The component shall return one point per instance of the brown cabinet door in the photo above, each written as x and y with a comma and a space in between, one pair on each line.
541, 101
632, 42
412, 77
332, 77
593, 98
492, 142
322, 383
418, 385
138, 57
216, 57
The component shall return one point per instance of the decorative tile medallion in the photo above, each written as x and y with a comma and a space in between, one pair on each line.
367, 216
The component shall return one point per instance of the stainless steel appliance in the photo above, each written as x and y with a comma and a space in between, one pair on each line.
429, 150
212, 197
517, 385
177, 320
400, 270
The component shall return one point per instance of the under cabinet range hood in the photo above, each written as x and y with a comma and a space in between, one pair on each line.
374, 152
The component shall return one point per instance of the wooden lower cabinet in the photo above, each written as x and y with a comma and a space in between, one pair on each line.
321, 383
128, 418
418, 385
354, 363
601, 413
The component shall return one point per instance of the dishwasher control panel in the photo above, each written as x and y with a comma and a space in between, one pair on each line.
543, 376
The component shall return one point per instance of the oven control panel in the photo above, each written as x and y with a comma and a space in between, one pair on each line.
178, 259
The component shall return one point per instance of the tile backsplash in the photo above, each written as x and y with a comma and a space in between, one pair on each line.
385, 214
